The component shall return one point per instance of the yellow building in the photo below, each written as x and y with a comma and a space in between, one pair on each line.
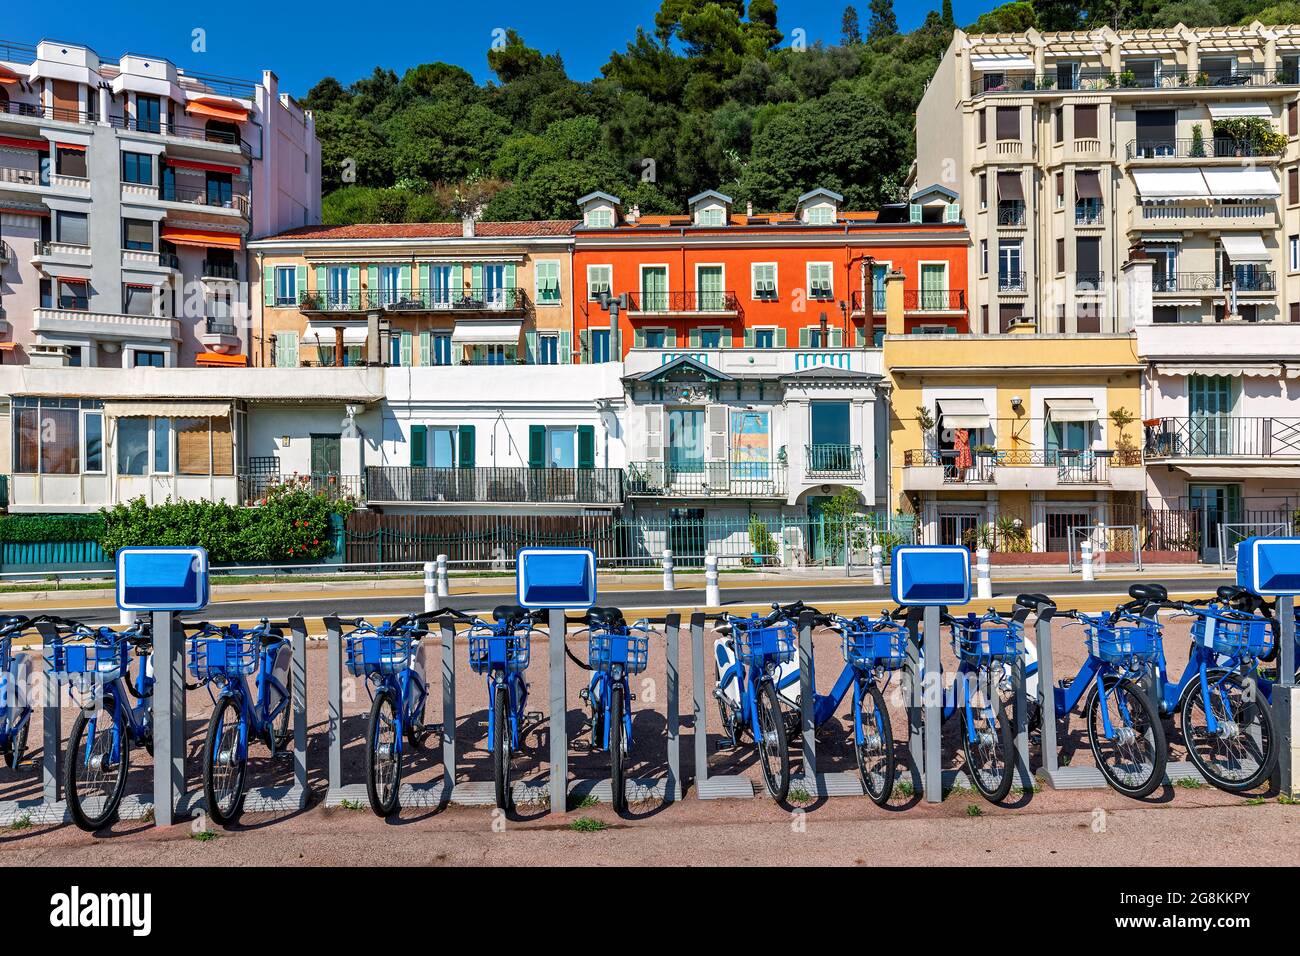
478, 293
1010, 441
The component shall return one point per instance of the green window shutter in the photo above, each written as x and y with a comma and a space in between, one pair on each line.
586, 446
530, 347
426, 348
404, 281
466, 446
419, 446
952, 212
286, 350
406, 350
476, 282
510, 275
725, 340
268, 285
584, 344
321, 281
372, 280
354, 283
424, 277
749, 338
694, 338
536, 446
457, 281
780, 338
914, 212
837, 338
803, 338
566, 348
300, 283
640, 338
670, 338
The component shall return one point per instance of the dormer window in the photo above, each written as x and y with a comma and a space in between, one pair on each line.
820, 216
818, 207
709, 208
599, 210
711, 216
601, 217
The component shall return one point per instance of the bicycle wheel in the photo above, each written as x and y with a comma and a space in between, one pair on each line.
93, 783
617, 781
383, 759
773, 753
281, 731
990, 757
501, 746
876, 753
1242, 753
1133, 759
225, 769
17, 745
416, 732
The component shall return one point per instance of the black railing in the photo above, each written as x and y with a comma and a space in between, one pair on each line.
1011, 213
36, 111
199, 196
859, 299
1223, 436
1217, 148
220, 270
416, 300
387, 483
980, 467
1012, 281
1093, 80
220, 327
1186, 282
1088, 281
169, 260
1255, 280
934, 300
663, 302
157, 127
833, 461
1088, 213
742, 479
256, 484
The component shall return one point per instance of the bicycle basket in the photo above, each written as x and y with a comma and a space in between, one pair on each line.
370, 653
874, 644
1123, 645
984, 642
504, 652
606, 649
1232, 635
222, 656
758, 645
85, 665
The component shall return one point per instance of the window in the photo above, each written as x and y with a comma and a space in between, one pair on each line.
442, 447
1010, 276
548, 282
133, 446
820, 284
1085, 122
1164, 314
203, 446
763, 275
70, 162
150, 359
137, 299
47, 436
598, 281
1008, 122
1058, 124
822, 215
984, 257
73, 228
764, 338
981, 126
137, 168
326, 454
548, 350
708, 283
220, 190
654, 338
1145, 73
599, 345
1060, 189
1218, 68
711, 216
336, 287
74, 294
1293, 186
286, 286
1060, 255
602, 218
711, 338
137, 234
1292, 122
1294, 310
148, 114
93, 452
654, 288
162, 446
984, 190
441, 348
1293, 252
561, 447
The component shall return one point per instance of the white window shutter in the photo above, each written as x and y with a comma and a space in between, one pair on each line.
716, 425
654, 432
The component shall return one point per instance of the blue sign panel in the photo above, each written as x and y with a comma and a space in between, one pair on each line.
556, 578
1269, 566
931, 574
162, 579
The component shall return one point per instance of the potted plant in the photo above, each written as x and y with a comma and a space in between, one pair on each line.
924, 418
1198, 141
1128, 78
986, 451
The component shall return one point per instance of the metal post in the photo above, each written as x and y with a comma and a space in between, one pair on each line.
712, 593
334, 714
915, 729
672, 635
806, 701
1046, 689
877, 565
933, 694
670, 580
168, 718
448, 709
1085, 559
444, 585
559, 783
1101, 550
52, 721
983, 586
700, 726
1286, 696
298, 678
430, 586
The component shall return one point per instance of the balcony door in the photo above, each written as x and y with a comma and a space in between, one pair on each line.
654, 289
685, 440
494, 286
831, 436
709, 279
326, 454
389, 277
1213, 505
1209, 410
933, 286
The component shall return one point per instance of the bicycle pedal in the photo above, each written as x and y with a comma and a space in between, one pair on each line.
1065, 682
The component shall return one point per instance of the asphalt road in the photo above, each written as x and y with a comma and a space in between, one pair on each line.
371, 603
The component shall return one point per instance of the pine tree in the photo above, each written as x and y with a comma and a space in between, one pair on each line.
948, 19
850, 32
883, 21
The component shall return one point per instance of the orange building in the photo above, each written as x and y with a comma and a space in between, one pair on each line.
808, 278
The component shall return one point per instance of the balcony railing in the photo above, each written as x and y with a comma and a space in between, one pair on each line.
1011, 213
1089, 213
220, 270
859, 299
1217, 148
1255, 280
659, 303
35, 111
1012, 281
1093, 80
416, 300
255, 487
197, 196
223, 137
386, 483
220, 327
1162, 212
934, 300
833, 461
1088, 281
1223, 436
737, 479
1071, 466
1186, 282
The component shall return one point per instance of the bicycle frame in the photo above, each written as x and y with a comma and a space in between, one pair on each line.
131, 719
512, 680
408, 688
13, 717
601, 690
1092, 669
256, 716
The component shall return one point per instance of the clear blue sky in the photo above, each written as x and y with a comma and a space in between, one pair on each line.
347, 39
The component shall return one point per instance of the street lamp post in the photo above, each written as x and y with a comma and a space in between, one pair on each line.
611, 304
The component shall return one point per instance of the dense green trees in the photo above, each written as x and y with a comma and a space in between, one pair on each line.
711, 95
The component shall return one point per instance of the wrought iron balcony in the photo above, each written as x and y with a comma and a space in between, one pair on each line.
1217, 148
877, 297
1186, 282
735, 479
219, 326
1094, 80
1071, 466
1089, 281
220, 270
387, 483
665, 303
1011, 213
198, 196
219, 136
833, 461
934, 300
1223, 436
415, 300
1012, 281
254, 487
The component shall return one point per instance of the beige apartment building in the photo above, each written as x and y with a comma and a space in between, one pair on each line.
1073, 153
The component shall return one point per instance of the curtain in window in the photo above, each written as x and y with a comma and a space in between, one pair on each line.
132, 446
60, 437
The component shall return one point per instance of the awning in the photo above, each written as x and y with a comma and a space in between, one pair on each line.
1087, 184
203, 167
993, 62
1236, 183
74, 147
216, 358
8, 346
167, 409
8, 76
1233, 110
14, 142
963, 413
1281, 472
1247, 369
1170, 184
1010, 186
217, 108
324, 335
1073, 410
200, 237
486, 333
1246, 247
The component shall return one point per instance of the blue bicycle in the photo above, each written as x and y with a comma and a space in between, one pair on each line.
96, 663
754, 659
15, 685
226, 657
615, 650
391, 658
1124, 731
500, 651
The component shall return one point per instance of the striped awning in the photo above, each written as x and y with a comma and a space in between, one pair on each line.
167, 409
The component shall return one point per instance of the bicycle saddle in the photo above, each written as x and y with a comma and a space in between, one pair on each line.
511, 615
1228, 593
1032, 602
608, 618
1148, 593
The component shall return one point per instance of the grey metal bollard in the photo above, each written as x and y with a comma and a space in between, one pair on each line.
670, 579
557, 716
1046, 692
877, 565
448, 707
52, 721
334, 714
700, 724
298, 682
933, 696
712, 593
1286, 696
430, 586
915, 726
444, 584
672, 639
168, 717
807, 700
1085, 559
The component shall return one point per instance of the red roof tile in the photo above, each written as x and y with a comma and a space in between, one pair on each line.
431, 230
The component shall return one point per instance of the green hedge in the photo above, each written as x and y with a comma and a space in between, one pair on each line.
43, 528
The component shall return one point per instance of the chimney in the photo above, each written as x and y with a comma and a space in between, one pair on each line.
467, 227
634, 214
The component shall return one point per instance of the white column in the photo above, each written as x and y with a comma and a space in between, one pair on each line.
712, 593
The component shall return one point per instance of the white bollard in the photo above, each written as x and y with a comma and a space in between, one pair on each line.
125, 618
712, 593
1085, 558
430, 586
983, 586
444, 586
877, 565
670, 580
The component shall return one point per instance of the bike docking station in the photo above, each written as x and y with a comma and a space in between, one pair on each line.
49, 806
1270, 567
708, 786
844, 783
